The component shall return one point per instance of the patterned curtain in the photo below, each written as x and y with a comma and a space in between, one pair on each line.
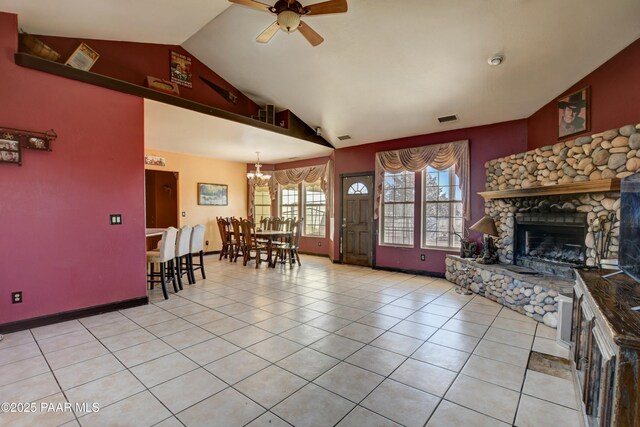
438, 156
323, 173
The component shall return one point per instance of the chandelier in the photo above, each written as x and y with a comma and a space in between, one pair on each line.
257, 175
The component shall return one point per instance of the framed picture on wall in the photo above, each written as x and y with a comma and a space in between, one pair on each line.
83, 57
574, 113
212, 194
37, 143
10, 151
181, 69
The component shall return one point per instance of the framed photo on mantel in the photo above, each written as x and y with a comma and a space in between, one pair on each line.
574, 113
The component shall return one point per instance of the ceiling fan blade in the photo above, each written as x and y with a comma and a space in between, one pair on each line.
268, 33
252, 3
331, 6
312, 37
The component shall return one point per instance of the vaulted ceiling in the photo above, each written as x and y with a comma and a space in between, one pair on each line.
387, 69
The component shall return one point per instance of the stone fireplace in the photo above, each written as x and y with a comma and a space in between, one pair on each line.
549, 205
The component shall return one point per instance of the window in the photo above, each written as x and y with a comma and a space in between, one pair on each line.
315, 209
398, 200
357, 188
262, 203
289, 201
442, 210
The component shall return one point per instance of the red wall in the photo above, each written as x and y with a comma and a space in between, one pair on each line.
133, 62
56, 245
486, 143
615, 91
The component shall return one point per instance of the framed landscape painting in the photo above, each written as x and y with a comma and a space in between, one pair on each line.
212, 194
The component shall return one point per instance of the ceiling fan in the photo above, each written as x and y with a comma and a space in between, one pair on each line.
288, 14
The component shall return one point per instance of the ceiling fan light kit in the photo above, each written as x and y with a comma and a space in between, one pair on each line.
288, 14
288, 20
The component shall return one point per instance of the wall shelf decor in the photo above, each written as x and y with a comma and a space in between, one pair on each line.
296, 129
12, 141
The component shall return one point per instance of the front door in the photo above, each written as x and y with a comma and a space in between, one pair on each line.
357, 219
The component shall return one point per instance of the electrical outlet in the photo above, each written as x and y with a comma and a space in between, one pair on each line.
319, 244
16, 297
422, 258
184, 214
206, 243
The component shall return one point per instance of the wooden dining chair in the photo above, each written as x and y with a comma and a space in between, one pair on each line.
274, 223
252, 244
164, 256
290, 250
196, 246
237, 237
264, 223
224, 236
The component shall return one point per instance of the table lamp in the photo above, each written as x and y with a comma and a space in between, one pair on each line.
487, 227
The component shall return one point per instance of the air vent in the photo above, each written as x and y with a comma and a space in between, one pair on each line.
445, 119
344, 137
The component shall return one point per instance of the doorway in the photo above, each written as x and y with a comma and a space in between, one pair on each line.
356, 234
161, 201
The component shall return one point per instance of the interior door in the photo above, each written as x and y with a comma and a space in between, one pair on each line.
161, 201
357, 219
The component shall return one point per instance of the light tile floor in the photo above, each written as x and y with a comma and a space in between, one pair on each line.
317, 345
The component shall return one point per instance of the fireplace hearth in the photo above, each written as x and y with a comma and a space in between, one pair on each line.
550, 243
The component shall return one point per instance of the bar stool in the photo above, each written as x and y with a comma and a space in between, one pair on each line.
164, 256
182, 252
197, 247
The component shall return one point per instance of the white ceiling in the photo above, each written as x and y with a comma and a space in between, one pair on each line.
387, 69
184, 131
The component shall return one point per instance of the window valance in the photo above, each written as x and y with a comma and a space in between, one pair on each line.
438, 156
322, 173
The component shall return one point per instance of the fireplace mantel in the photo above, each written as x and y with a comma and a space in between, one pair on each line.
601, 185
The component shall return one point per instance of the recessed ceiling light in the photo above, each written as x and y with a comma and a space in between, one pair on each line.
496, 60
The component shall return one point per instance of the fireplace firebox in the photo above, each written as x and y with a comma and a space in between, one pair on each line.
550, 243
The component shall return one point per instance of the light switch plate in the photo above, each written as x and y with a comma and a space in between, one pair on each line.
115, 219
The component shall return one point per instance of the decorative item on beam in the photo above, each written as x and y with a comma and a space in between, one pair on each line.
13, 140
257, 177
222, 92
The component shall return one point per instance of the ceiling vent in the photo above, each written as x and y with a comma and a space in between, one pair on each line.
445, 119
344, 137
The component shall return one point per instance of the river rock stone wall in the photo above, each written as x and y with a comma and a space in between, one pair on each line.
535, 297
611, 154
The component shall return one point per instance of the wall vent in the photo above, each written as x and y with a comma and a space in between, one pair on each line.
445, 119
344, 137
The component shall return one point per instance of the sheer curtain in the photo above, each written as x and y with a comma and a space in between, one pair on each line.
438, 156
323, 173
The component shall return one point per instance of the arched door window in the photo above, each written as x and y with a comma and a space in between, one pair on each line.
358, 188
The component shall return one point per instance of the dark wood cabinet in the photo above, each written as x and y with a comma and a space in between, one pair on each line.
606, 344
